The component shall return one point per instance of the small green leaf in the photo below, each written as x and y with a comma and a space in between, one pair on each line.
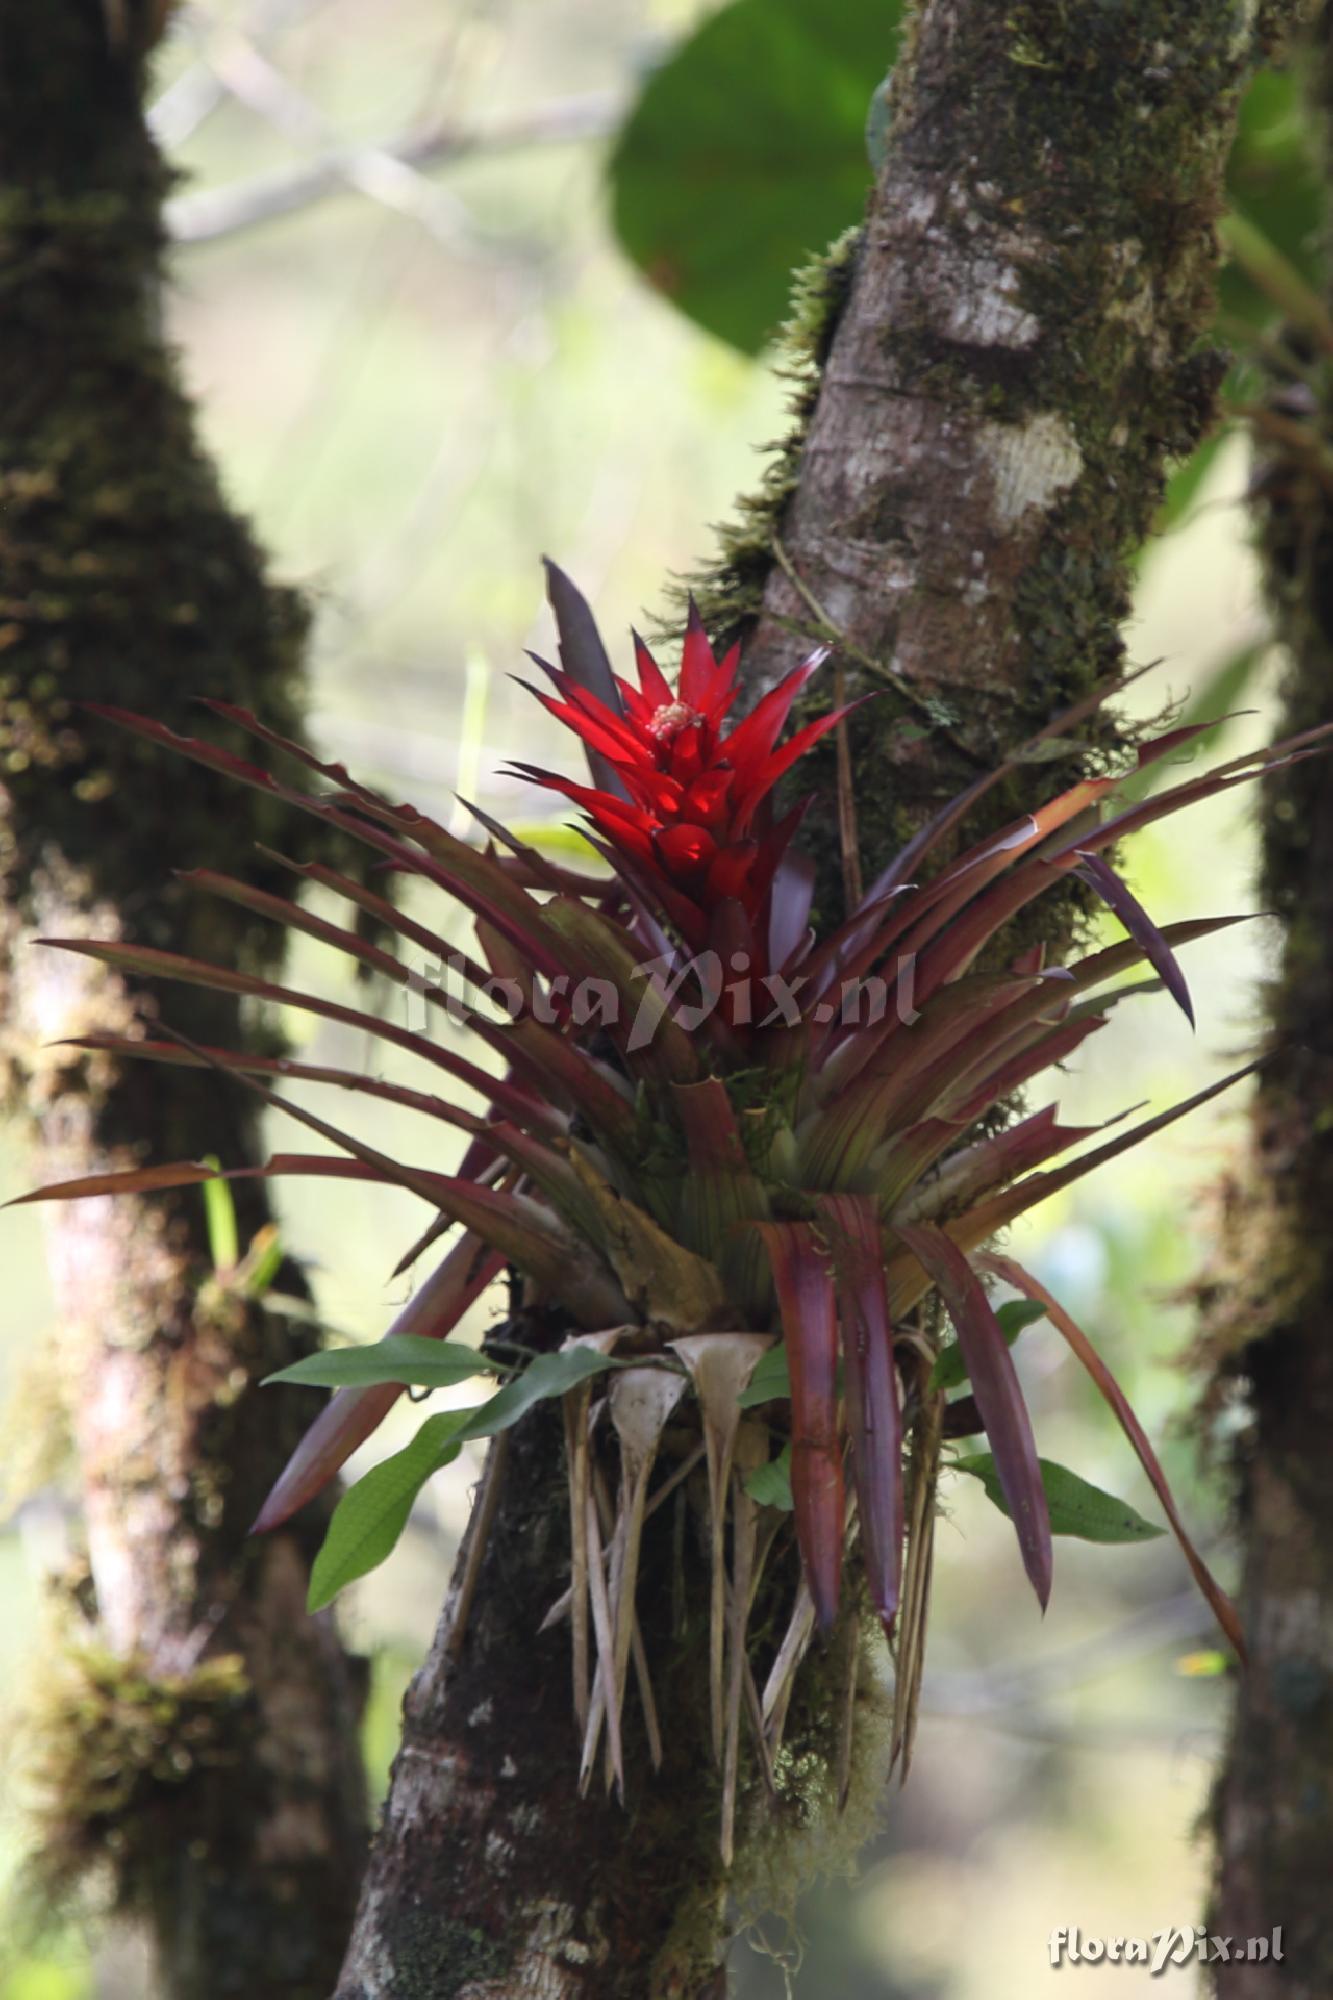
950, 1369
548, 1375
404, 1357
1077, 1507
770, 1484
1015, 1314
224, 1245
372, 1514
770, 1382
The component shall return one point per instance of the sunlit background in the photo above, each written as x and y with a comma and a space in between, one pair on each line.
416, 384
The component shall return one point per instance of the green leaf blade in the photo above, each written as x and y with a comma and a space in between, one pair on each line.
549, 1375
224, 1247
950, 1370
746, 154
771, 1381
371, 1516
404, 1358
1077, 1507
770, 1485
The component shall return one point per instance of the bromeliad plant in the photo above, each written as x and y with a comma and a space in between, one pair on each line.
735, 1158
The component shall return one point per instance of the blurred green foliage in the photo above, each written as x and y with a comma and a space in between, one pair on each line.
746, 154
1274, 181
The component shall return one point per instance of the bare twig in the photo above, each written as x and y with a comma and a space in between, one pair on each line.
211, 213
191, 98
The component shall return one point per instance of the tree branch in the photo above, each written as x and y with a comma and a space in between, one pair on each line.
381, 167
1268, 1302
199, 1731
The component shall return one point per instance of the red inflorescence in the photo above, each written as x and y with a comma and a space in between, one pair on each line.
692, 812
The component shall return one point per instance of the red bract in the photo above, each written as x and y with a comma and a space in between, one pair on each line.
685, 807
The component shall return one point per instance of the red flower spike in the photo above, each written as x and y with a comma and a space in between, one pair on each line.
656, 687
687, 811
685, 849
705, 801
729, 876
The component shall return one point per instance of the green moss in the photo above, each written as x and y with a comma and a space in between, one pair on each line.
730, 590
810, 1835
436, 1956
106, 1744
35, 1443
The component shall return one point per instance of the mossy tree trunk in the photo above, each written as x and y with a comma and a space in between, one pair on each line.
209, 1756
1271, 1310
999, 370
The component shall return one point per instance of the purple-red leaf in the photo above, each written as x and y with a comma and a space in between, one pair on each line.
871, 1382
1023, 1281
1100, 876
968, 1174
995, 1384
123, 1180
790, 897
981, 1222
808, 1304
584, 659
414, 842
520, 1228
147, 962
243, 1063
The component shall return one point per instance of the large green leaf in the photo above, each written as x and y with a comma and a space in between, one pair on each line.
1076, 1506
403, 1357
372, 1514
746, 154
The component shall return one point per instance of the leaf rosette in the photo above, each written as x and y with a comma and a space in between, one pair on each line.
740, 1163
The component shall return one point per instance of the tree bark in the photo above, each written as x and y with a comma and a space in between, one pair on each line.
1012, 359
1270, 1307
199, 1738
